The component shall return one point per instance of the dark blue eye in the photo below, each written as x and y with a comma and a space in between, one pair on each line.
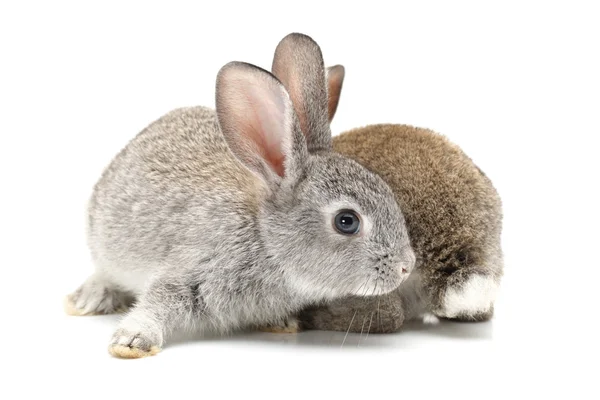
347, 222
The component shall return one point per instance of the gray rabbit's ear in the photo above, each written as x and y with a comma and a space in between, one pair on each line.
298, 64
258, 121
335, 80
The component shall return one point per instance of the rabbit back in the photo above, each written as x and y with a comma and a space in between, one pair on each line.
152, 204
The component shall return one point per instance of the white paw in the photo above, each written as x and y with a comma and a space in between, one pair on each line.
430, 319
476, 295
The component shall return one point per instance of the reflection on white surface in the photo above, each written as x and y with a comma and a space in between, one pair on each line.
413, 333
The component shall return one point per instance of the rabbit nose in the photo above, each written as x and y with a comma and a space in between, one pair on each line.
406, 266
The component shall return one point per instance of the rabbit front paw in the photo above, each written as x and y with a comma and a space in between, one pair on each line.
128, 344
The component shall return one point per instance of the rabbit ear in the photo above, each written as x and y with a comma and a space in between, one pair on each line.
298, 64
258, 121
335, 80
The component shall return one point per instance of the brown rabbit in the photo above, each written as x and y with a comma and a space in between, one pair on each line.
453, 214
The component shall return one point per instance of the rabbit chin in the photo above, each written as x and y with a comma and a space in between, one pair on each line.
313, 291
376, 287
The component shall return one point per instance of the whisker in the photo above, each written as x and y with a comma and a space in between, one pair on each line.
355, 312
369, 329
360, 287
378, 313
361, 331
375, 288
348, 331
365, 300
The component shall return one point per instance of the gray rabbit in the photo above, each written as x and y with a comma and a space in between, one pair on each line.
217, 221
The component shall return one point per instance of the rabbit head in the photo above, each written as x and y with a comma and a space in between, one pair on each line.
333, 226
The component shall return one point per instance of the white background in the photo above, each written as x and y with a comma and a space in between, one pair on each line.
516, 85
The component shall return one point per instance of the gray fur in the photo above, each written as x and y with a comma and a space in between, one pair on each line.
212, 241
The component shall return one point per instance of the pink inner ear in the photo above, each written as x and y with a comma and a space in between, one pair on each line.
266, 128
335, 78
277, 164
268, 146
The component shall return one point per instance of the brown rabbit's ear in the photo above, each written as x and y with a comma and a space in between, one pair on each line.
258, 122
335, 80
298, 64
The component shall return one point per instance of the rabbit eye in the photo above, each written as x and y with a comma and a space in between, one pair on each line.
347, 222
